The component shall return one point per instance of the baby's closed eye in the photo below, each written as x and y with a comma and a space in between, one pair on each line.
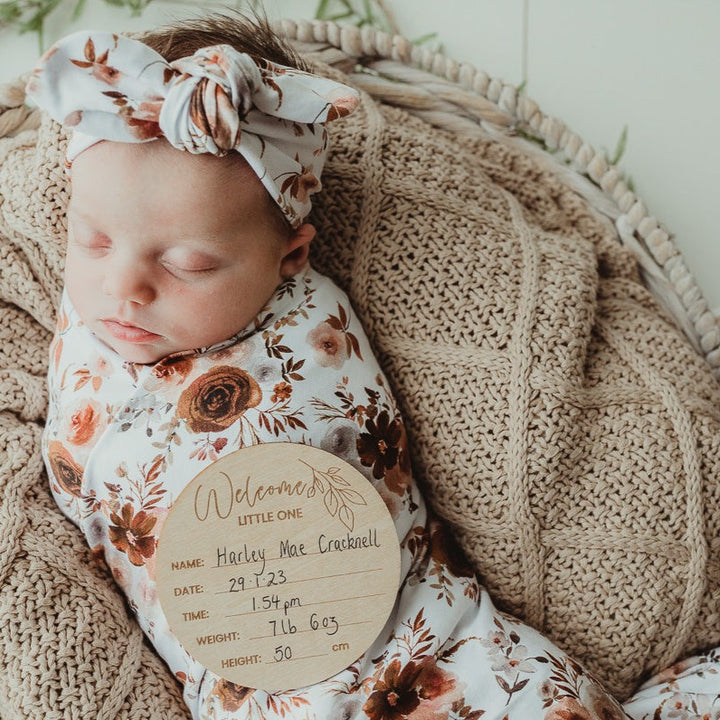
183, 263
93, 243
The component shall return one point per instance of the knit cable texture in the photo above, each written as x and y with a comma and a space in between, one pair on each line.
559, 420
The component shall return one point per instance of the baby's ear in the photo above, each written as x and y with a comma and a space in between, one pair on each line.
296, 250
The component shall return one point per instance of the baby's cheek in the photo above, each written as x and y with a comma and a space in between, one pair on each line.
80, 284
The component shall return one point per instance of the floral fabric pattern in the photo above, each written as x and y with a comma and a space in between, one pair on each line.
688, 690
110, 87
123, 440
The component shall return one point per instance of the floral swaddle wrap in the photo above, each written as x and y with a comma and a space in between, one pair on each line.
123, 440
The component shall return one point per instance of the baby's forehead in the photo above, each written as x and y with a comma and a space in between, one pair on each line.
160, 155
227, 179
148, 186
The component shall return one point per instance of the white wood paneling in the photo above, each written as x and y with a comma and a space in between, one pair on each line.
651, 66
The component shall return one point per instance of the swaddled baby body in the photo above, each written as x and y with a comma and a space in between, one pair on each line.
192, 325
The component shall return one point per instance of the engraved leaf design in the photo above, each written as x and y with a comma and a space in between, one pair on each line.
346, 516
352, 496
331, 502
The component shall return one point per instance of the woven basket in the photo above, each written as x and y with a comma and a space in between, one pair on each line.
459, 98
466, 103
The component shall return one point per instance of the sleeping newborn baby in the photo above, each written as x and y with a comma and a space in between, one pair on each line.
191, 325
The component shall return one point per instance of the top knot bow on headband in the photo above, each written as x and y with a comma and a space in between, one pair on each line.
110, 87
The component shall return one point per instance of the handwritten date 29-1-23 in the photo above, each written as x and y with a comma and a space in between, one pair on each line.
267, 579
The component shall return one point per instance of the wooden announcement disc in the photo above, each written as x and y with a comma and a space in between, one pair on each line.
278, 566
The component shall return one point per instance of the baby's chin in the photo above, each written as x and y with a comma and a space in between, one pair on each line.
141, 356
137, 353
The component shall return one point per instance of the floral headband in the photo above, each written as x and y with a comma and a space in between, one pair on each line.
110, 87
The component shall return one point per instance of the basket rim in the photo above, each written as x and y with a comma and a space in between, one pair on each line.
446, 92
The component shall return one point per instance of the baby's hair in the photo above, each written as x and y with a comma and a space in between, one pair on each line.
249, 34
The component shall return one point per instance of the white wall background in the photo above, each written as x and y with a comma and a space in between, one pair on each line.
596, 64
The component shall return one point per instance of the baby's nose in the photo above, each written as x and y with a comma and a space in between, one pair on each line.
129, 284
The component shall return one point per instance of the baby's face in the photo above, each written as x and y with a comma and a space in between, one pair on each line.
169, 251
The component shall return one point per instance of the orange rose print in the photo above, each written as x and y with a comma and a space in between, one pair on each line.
568, 709
170, 371
144, 128
399, 478
395, 696
66, 471
328, 343
215, 400
300, 185
341, 103
83, 423
418, 690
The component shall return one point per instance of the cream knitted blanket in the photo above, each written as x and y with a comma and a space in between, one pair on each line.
557, 418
